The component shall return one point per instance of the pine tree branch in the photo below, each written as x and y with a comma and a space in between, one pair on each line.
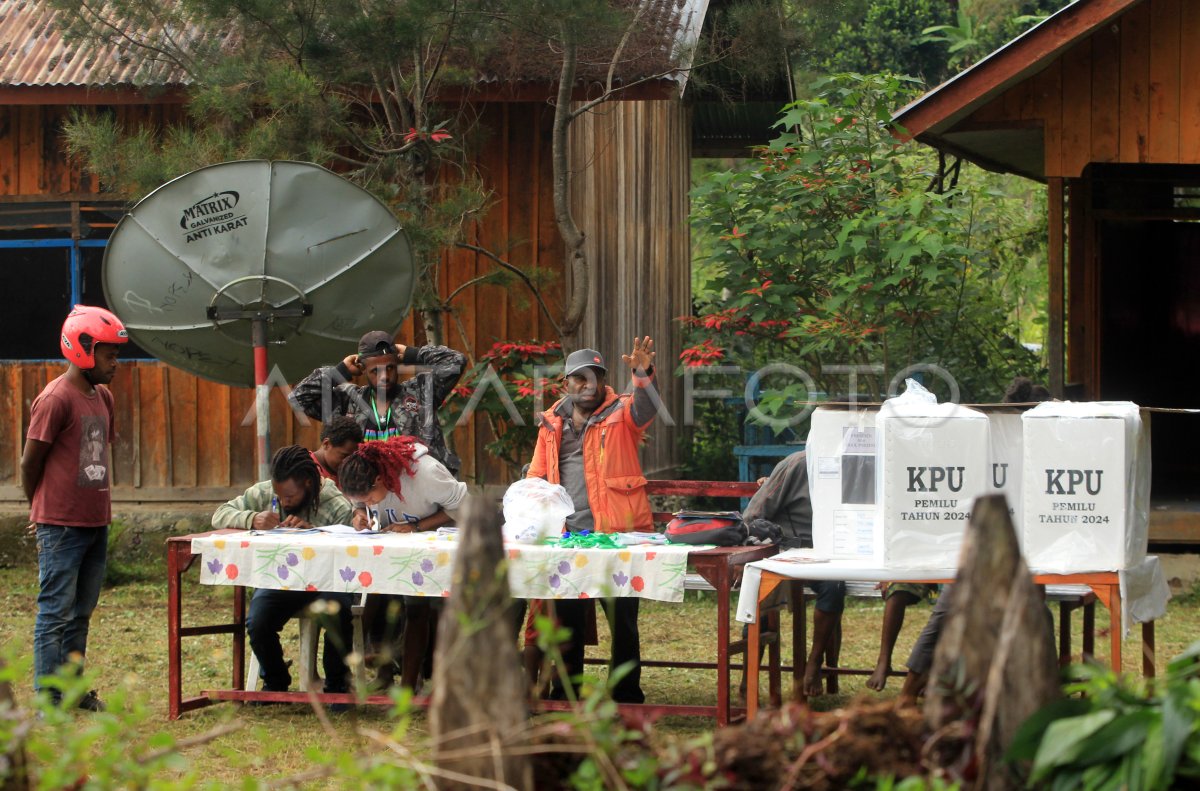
533, 289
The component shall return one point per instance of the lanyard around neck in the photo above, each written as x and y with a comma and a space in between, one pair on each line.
387, 418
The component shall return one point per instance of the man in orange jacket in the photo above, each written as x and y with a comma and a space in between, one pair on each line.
588, 442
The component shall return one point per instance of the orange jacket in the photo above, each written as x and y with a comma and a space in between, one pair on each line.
616, 488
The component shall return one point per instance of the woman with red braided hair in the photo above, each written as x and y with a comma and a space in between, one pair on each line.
397, 486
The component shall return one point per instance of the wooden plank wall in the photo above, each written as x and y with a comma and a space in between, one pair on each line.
32, 157
515, 167
632, 164
178, 437
631, 168
1127, 94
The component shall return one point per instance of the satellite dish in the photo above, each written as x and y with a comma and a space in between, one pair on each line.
311, 259
215, 269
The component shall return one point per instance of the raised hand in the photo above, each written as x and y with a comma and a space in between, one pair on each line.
642, 356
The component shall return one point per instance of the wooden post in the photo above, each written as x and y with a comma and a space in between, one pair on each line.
1055, 302
1011, 669
478, 709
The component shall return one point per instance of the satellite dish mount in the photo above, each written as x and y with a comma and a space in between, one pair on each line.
260, 318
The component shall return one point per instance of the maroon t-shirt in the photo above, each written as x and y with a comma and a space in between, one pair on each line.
74, 489
321, 468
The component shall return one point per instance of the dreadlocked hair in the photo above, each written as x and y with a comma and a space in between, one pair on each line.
390, 458
294, 462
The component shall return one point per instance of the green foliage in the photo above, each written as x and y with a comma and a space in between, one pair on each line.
836, 249
888, 38
509, 385
927, 39
708, 451
982, 26
1118, 734
961, 39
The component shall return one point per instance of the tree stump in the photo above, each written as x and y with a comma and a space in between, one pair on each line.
478, 708
995, 662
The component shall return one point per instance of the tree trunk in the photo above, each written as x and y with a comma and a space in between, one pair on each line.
573, 238
431, 322
14, 771
479, 708
995, 663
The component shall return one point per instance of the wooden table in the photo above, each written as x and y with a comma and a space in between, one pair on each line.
1105, 585
721, 567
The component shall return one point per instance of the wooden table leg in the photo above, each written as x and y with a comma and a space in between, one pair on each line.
753, 636
722, 586
800, 646
1089, 631
174, 621
1064, 634
1115, 626
1148, 670
799, 636
239, 638
766, 586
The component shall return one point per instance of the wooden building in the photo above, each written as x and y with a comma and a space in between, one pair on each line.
182, 438
1102, 103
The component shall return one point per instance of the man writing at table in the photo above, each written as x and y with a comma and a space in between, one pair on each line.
588, 442
296, 496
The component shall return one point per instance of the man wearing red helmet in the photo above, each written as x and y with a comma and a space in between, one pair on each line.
65, 471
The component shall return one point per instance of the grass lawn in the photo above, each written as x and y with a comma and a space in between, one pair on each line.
128, 649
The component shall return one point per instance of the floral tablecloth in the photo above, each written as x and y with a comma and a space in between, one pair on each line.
420, 565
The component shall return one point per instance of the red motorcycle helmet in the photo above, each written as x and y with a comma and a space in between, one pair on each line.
84, 328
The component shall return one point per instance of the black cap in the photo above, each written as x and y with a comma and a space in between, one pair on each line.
583, 358
375, 343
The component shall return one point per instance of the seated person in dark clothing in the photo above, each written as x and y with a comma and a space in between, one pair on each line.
783, 499
296, 496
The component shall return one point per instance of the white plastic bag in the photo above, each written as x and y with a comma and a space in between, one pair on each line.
535, 510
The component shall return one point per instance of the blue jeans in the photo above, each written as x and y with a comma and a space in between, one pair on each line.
70, 572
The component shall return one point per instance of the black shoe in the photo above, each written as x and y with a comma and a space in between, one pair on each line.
629, 696
91, 702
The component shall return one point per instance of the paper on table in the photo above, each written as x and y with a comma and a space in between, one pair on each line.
341, 530
854, 533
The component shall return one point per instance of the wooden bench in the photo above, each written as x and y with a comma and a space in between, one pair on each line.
1068, 598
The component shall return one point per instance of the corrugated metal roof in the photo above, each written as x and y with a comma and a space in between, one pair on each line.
33, 53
